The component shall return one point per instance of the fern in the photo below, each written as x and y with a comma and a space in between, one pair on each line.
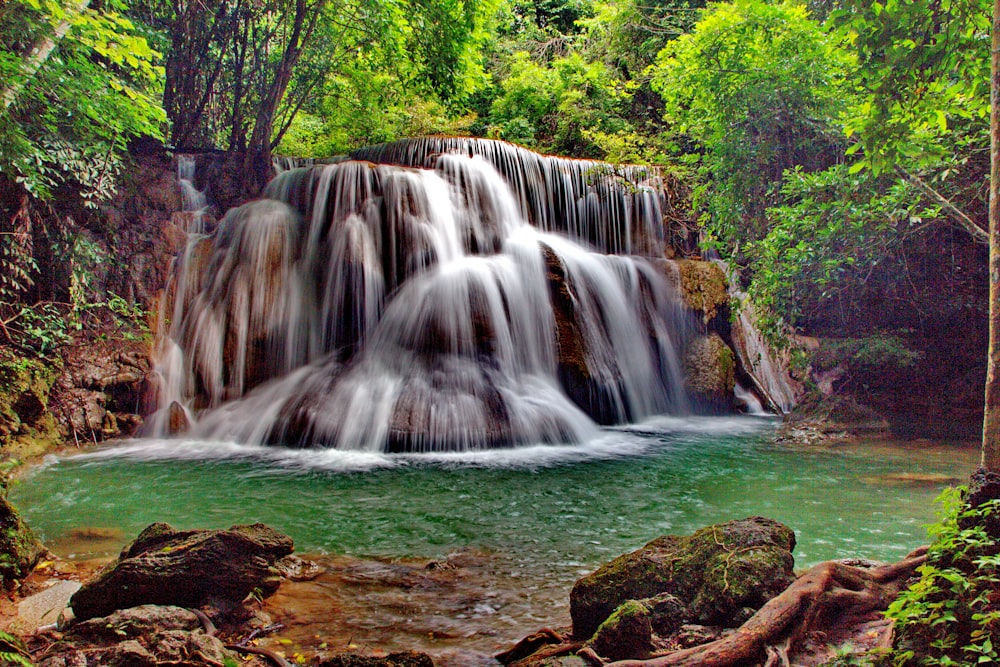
13, 651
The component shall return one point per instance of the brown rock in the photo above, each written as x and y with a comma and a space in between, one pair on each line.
164, 566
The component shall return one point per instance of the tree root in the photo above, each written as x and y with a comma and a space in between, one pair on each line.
769, 636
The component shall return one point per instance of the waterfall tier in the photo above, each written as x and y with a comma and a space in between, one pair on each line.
471, 294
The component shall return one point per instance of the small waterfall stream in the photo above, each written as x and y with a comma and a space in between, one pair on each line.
429, 295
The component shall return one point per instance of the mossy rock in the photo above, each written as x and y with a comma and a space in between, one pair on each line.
186, 568
26, 427
718, 572
401, 659
19, 549
703, 286
710, 368
626, 633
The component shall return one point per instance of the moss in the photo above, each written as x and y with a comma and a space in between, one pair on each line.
26, 427
703, 286
19, 549
710, 367
731, 559
626, 633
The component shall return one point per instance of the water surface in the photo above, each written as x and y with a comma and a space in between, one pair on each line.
516, 526
562, 507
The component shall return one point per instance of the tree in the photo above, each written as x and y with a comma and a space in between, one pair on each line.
991, 415
79, 84
756, 86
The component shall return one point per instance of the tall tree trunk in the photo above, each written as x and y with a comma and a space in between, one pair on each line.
991, 417
40, 52
257, 161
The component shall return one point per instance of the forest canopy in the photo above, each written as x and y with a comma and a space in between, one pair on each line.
826, 145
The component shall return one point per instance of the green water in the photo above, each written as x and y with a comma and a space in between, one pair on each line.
552, 511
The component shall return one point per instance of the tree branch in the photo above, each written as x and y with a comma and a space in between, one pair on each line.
965, 222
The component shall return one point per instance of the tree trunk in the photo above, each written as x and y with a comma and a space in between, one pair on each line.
39, 53
991, 415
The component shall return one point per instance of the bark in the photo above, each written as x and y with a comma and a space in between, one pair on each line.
40, 52
991, 413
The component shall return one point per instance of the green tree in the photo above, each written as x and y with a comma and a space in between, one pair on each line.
79, 84
758, 87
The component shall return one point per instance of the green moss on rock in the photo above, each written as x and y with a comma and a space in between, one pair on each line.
710, 367
19, 549
718, 572
26, 427
626, 633
703, 286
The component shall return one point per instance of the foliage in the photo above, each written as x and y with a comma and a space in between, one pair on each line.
72, 114
832, 230
951, 616
560, 107
13, 650
259, 66
924, 76
757, 86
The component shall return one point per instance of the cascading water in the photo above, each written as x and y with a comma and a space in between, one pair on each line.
379, 307
193, 200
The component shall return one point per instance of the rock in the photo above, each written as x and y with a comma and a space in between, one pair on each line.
136, 622
558, 661
19, 549
186, 568
626, 633
696, 635
295, 568
710, 370
131, 653
667, 614
703, 286
177, 419
405, 659
716, 572
101, 392
70, 658
176, 647
26, 427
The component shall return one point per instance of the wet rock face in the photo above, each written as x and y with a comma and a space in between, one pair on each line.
103, 389
186, 568
25, 423
710, 371
718, 574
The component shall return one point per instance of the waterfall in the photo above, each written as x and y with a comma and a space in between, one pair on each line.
193, 200
454, 295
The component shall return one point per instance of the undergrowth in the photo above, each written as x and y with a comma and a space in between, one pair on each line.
951, 615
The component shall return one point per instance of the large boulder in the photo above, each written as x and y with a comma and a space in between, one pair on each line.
721, 573
188, 568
